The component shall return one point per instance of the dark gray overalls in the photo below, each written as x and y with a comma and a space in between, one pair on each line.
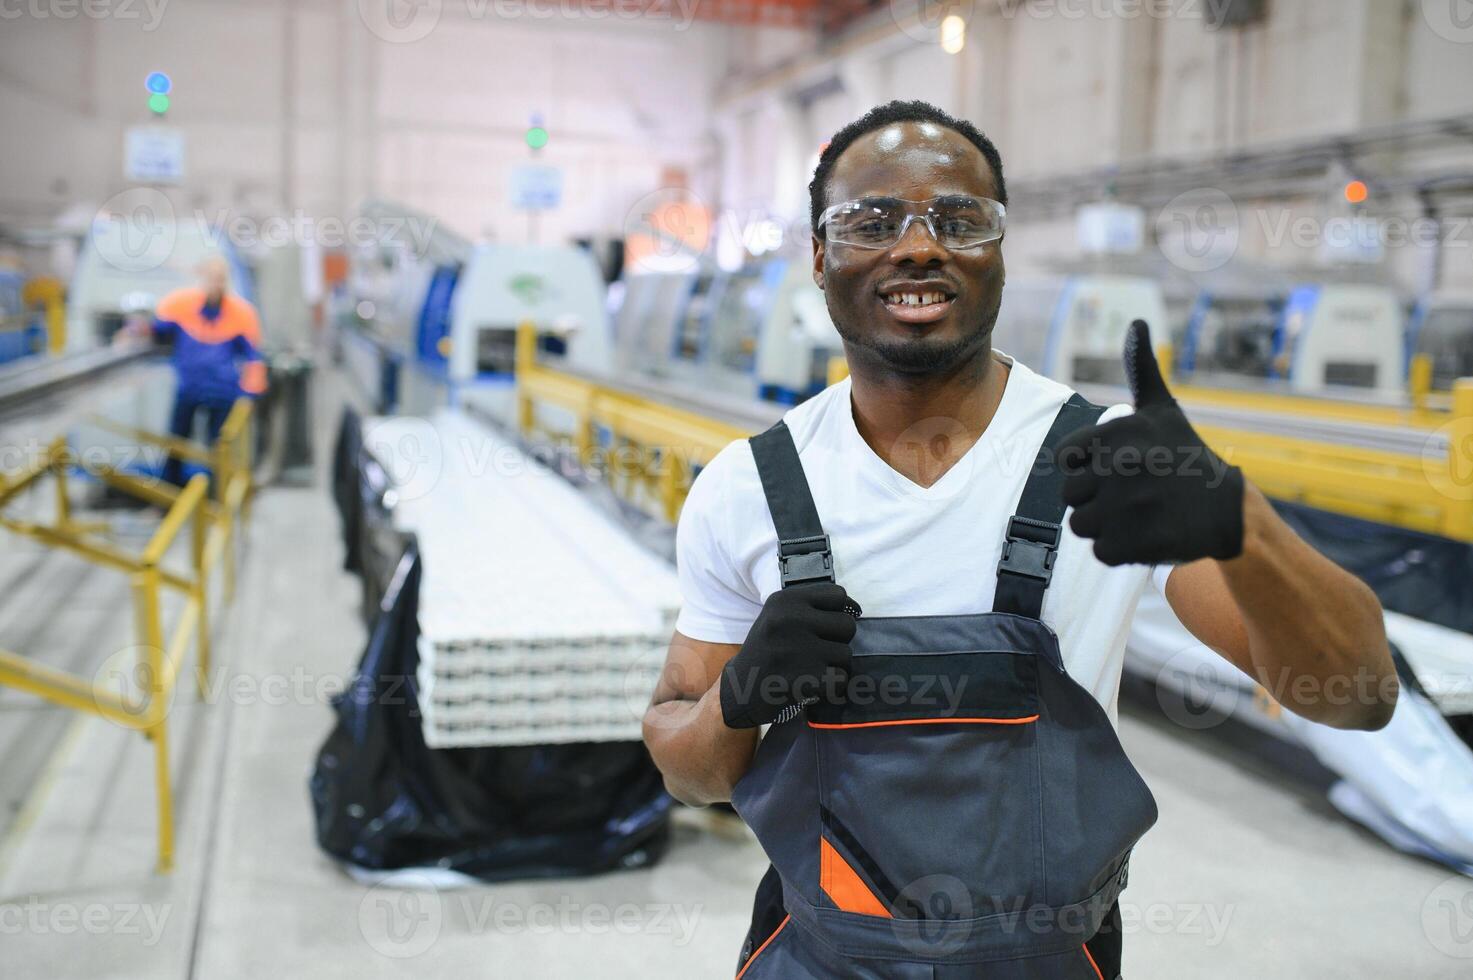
964, 809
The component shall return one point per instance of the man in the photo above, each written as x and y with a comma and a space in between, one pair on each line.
941, 790
217, 353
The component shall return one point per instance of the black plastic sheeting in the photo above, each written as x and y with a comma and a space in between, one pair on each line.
384, 800
371, 544
345, 484
1420, 575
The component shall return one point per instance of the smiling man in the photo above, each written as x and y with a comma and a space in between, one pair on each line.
892, 580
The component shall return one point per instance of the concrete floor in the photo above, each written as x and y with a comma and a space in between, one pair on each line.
1248, 874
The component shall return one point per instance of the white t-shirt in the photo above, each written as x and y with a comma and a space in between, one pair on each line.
901, 549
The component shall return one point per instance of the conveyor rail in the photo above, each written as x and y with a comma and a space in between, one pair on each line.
33, 377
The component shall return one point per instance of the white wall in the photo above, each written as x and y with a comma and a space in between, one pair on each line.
297, 104
1063, 89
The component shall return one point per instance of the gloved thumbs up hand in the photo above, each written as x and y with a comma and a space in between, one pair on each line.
1145, 487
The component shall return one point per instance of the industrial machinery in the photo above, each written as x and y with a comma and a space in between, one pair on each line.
1258, 324
557, 287
433, 317
644, 326
21, 334
761, 331
1072, 327
389, 282
1441, 328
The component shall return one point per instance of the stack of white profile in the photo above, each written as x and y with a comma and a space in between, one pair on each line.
540, 620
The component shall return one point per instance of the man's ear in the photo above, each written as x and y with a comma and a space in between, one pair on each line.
817, 262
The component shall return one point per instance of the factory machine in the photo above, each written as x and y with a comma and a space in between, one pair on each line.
1072, 327
761, 331
389, 289
433, 325
21, 334
558, 287
1441, 328
1312, 336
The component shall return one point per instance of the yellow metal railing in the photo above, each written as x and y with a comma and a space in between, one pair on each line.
1431, 491
213, 528
662, 445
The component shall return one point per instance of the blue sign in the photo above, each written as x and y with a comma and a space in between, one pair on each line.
158, 83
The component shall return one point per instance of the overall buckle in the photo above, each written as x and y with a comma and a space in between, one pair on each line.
1030, 548
805, 560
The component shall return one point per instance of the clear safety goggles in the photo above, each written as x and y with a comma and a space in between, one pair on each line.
954, 221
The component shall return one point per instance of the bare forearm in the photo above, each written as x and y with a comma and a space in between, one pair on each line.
700, 757
1316, 634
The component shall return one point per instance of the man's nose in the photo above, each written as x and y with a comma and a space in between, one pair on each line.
917, 244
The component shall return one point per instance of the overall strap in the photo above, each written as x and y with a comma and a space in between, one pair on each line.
802, 546
1033, 532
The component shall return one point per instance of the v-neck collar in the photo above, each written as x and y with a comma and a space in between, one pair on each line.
958, 474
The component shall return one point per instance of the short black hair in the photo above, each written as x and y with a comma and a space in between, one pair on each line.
881, 116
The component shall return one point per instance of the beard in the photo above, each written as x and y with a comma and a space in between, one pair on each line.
922, 355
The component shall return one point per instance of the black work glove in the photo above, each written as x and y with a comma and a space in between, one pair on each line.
796, 651
1145, 487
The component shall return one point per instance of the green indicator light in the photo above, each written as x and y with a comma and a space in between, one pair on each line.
536, 137
159, 103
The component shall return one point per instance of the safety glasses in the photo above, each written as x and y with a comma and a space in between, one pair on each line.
954, 221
